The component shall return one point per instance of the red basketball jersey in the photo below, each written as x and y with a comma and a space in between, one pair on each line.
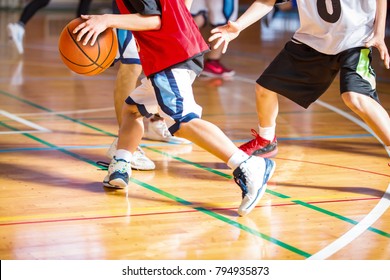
178, 39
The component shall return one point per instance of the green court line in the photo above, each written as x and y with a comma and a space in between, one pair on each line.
274, 193
175, 198
52, 146
51, 111
221, 218
298, 202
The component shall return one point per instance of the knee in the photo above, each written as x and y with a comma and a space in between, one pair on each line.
131, 111
353, 100
263, 93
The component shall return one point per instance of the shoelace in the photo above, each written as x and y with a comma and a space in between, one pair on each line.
258, 141
242, 179
241, 183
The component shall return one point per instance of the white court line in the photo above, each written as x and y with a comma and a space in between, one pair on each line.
371, 217
22, 121
357, 230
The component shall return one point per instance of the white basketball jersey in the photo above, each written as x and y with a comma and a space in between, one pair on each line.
332, 26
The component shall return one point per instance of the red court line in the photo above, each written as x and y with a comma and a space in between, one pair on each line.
334, 165
175, 212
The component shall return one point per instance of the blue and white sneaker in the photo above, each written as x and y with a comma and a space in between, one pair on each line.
252, 176
119, 172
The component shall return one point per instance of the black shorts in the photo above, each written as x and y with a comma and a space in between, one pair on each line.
303, 74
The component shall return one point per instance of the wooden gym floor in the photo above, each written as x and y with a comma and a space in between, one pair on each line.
328, 199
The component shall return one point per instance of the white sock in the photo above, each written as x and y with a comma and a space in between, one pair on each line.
236, 159
123, 154
388, 150
267, 132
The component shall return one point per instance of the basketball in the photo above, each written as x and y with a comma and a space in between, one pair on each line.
87, 60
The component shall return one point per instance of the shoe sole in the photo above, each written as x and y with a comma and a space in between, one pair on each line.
115, 184
270, 154
141, 168
212, 75
270, 166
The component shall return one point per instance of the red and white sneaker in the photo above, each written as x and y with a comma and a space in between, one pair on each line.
214, 68
260, 147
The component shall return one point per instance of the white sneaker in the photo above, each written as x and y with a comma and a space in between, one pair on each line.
157, 130
119, 172
16, 34
252, 176
138, 161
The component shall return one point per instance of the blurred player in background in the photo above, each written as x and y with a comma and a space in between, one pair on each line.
215, 13
16, 30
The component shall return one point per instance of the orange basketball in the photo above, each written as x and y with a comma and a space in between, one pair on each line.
87, 60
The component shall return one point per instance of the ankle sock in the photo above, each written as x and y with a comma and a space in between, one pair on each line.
236, 159
123, 154
267, 132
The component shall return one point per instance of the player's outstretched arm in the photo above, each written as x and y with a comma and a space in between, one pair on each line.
377, 39
225, 34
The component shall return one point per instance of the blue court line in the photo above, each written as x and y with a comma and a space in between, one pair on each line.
141, 183
167, 144
73, 147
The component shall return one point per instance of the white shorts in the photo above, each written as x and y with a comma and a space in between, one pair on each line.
168, 93
218, 12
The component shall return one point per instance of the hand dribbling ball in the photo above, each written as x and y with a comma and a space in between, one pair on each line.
87, 60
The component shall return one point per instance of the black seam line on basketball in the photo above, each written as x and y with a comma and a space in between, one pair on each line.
81, 65
78, 46
301, 203
109, 53
177, 199
297, 202
59, 115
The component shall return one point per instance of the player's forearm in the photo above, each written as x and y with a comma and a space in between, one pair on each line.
380, 18
255, 12
134, 22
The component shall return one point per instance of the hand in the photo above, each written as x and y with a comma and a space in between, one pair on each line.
224, 34
377, 42
91, 28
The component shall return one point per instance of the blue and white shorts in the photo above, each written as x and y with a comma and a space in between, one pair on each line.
168, 93
127, 51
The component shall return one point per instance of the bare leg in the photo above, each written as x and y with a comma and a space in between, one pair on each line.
267, 106
131, 129
209, 137
371, 112
125, 83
